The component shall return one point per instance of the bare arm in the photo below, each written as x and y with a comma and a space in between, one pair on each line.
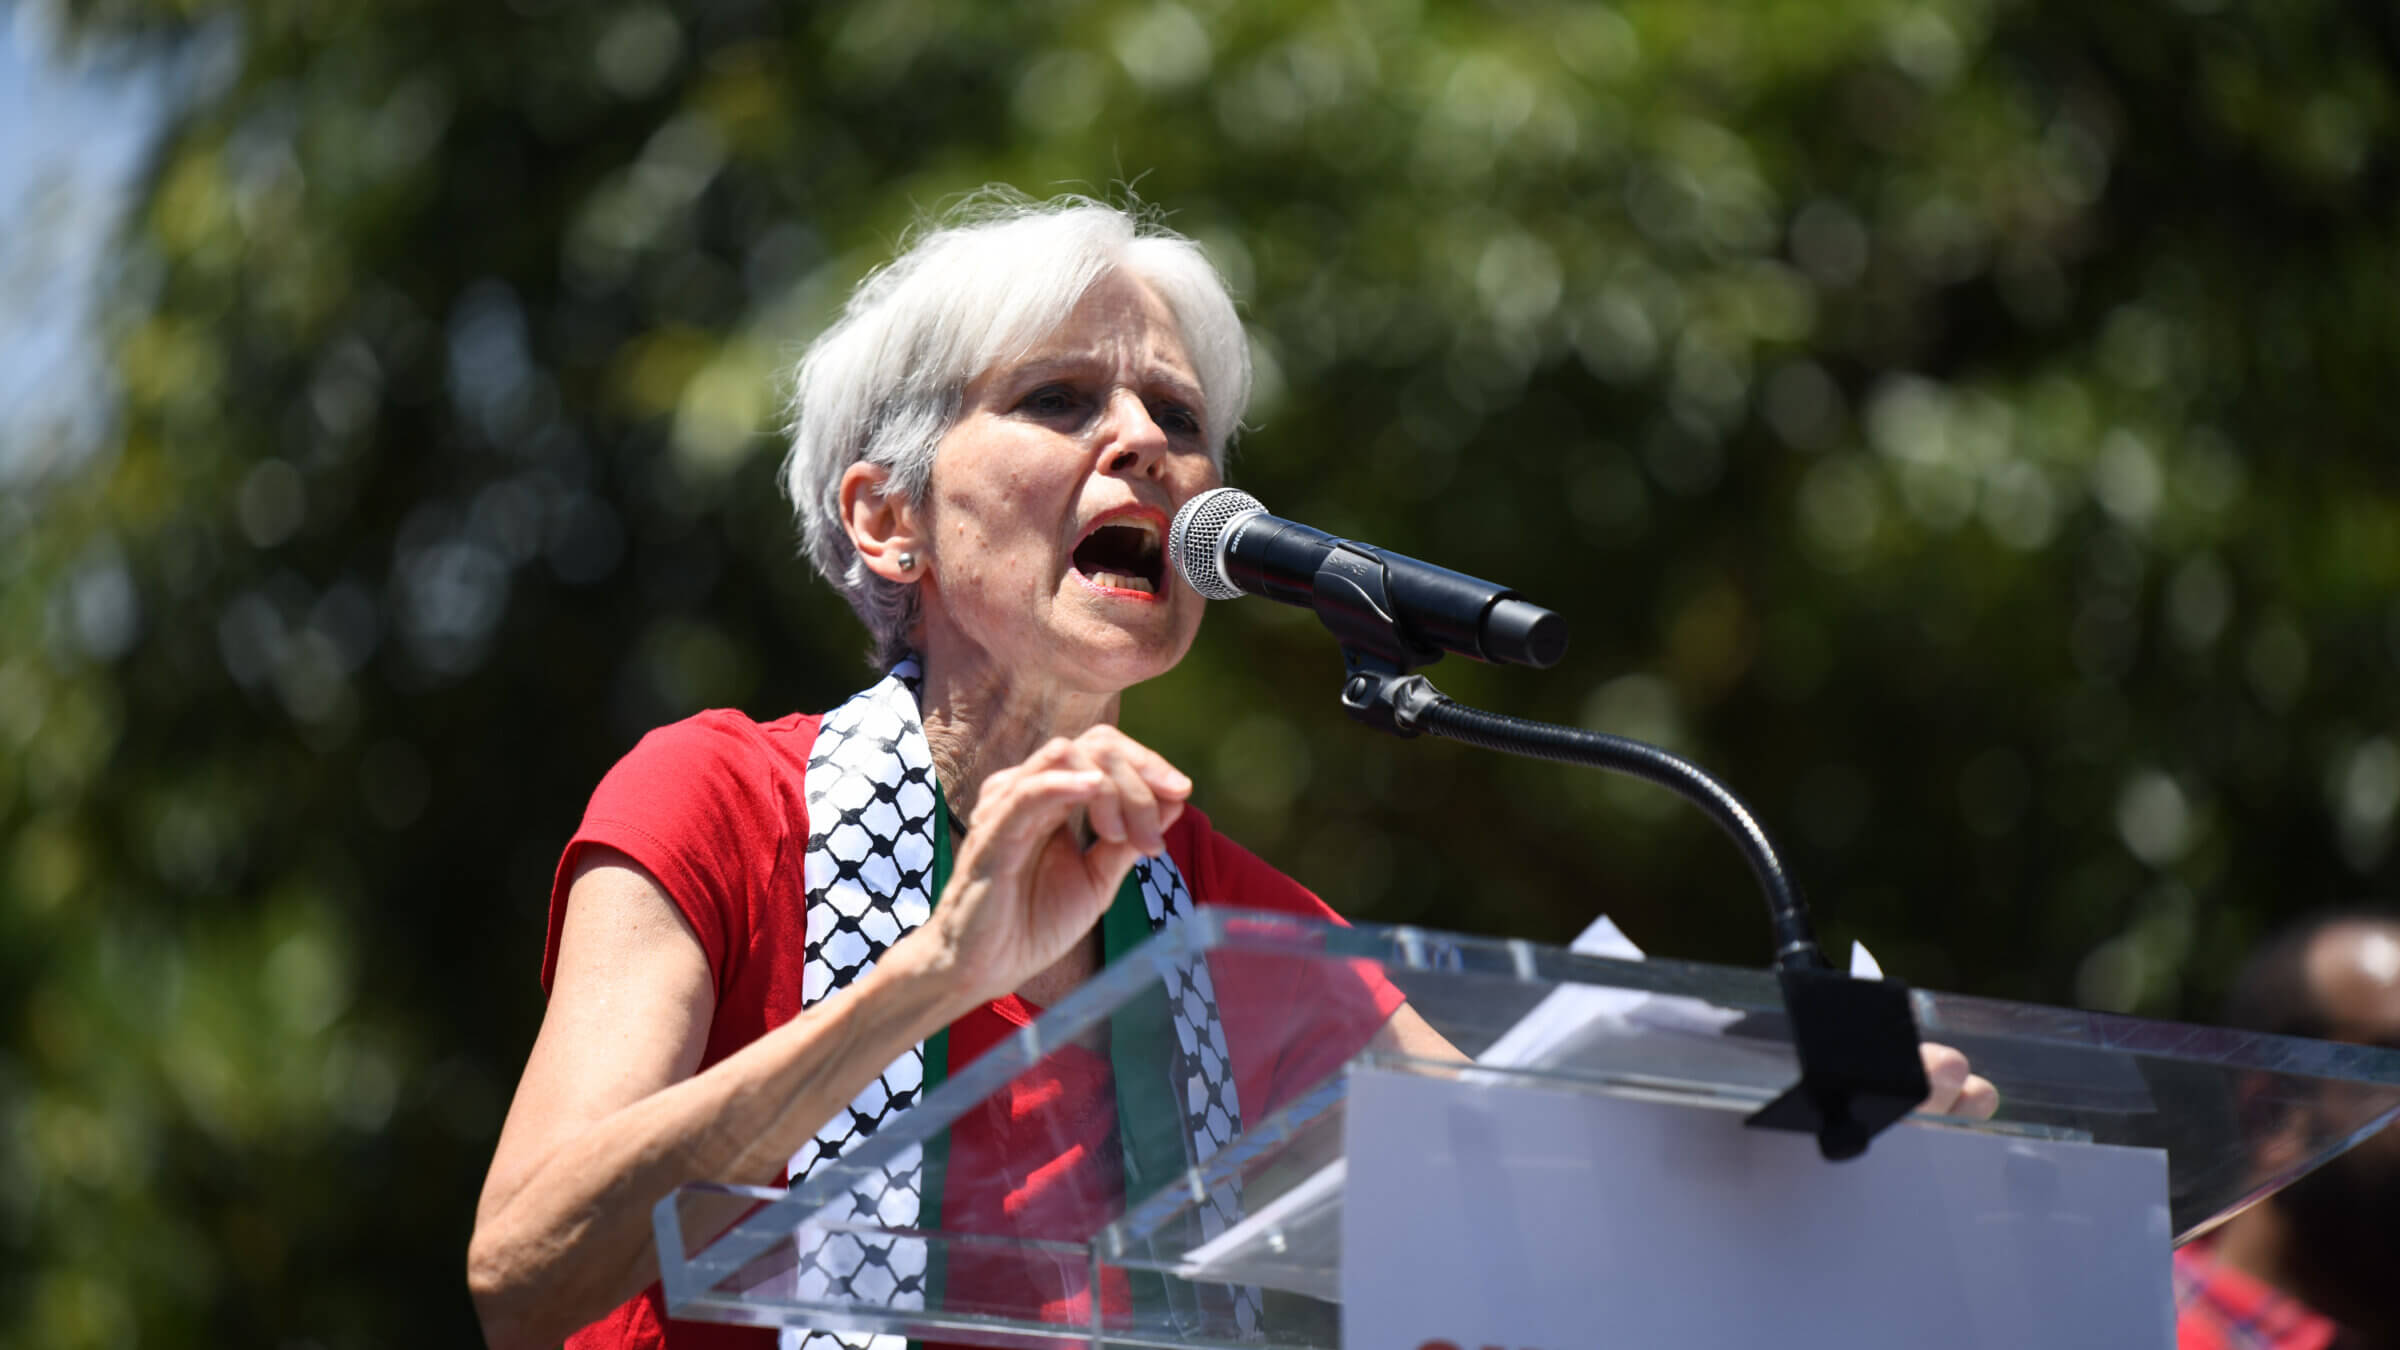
1408, 1034
610, 1115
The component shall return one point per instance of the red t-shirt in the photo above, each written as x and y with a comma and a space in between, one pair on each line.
713, 807
2220, 1308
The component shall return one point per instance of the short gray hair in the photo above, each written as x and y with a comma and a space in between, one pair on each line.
988, 280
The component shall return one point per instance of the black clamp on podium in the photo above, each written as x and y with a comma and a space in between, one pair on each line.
1860, 1071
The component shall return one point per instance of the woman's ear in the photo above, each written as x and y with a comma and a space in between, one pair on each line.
882, 526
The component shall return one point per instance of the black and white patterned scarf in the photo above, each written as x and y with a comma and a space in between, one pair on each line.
876, 847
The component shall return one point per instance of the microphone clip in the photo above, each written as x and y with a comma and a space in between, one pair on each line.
1353, 599
1860, 1070
1382, 696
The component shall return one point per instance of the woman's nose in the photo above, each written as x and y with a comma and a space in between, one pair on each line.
1136, 442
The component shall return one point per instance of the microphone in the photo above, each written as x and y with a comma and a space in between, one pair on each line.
1408, 612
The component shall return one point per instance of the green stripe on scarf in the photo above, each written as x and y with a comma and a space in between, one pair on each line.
1141, 1052
1141, 1039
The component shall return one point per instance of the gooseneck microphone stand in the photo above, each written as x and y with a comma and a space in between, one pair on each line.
1407, 705
1860, 1070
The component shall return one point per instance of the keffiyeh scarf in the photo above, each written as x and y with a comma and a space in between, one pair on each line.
878, 856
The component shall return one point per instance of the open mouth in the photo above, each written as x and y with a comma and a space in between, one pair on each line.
1123, 555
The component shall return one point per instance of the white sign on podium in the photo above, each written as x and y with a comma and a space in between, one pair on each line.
1483, 1214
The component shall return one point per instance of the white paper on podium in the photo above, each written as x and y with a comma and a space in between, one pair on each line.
1526, 1216
1294, 1241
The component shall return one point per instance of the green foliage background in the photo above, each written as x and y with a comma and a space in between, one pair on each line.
1964, 424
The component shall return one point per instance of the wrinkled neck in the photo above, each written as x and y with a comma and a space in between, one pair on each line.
979, 723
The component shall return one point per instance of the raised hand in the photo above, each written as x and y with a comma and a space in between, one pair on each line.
1026, 887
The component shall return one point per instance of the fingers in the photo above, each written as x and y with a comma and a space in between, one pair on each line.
1105, 865
1946, 1072
1142, 797
1956, 1089
1130, 794
1978, 1100
1021, 809
1027, 885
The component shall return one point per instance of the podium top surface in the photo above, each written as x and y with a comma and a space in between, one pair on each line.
1155, 1160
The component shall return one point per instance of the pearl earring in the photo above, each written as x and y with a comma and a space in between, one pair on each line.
908, 562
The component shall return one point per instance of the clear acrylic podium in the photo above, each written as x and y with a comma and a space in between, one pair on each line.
1055, 1225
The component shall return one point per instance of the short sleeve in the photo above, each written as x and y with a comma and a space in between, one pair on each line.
705, 806
1293, 1046
1225, 873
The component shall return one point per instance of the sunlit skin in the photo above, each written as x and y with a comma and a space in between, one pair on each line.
1025, 656
1102, 421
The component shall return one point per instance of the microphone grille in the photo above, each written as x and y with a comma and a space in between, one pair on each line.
1197, 539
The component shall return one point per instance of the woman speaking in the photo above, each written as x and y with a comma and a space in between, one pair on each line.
766, 937
749, 929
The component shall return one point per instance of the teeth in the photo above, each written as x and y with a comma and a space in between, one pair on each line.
1146, 550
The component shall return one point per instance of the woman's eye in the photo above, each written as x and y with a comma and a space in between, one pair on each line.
1050, 400
1176, 419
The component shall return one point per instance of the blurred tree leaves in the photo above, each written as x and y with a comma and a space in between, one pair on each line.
1962, 424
